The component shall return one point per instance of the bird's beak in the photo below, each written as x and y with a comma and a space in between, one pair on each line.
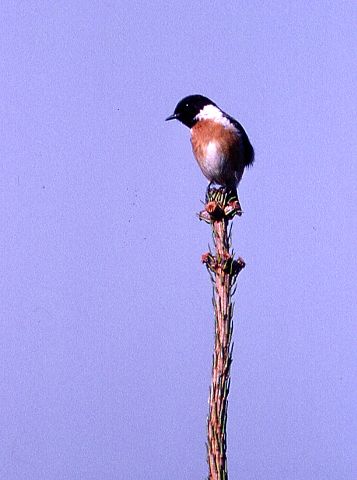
174, 116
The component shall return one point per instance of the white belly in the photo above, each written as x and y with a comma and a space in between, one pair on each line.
213, 163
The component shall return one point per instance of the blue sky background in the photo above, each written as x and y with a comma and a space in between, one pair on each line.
106, 327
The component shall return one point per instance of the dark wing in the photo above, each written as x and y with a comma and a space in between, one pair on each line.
248, 151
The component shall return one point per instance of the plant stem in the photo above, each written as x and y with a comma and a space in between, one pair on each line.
223, 270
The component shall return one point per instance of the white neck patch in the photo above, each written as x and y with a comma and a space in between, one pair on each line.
210, 112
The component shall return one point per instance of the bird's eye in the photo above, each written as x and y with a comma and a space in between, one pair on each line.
186, 105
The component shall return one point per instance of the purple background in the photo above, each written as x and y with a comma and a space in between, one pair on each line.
106, 328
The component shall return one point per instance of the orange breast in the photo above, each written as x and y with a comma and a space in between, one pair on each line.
206, 131
215, 148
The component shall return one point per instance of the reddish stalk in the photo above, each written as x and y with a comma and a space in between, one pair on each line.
223, 269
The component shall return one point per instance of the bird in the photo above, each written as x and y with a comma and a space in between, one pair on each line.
220, 144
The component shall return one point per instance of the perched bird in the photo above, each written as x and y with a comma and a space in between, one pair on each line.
219, 143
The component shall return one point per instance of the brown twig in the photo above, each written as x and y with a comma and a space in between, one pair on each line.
224, 269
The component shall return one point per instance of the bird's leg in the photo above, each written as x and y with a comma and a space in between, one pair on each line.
230, 191
235, 199
233, 195
239, 208
208, 191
